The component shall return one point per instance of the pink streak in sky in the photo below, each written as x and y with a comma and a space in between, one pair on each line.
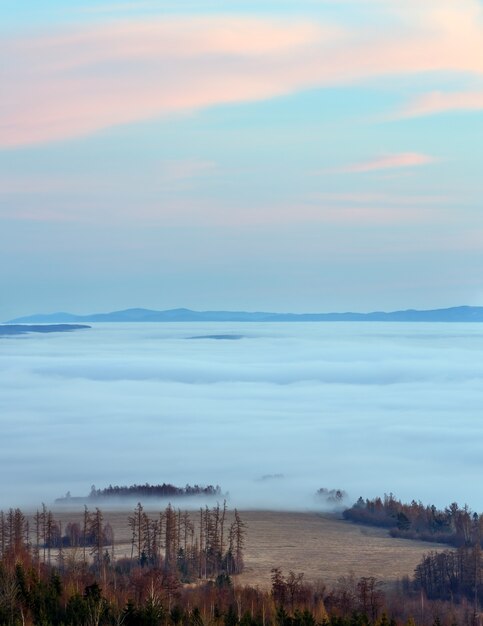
441, 102
389, 162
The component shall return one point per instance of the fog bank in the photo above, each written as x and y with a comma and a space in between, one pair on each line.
369, 408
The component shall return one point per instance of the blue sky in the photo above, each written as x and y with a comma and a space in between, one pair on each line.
302, 156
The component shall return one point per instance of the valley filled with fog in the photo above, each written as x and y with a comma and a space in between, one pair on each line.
270, 412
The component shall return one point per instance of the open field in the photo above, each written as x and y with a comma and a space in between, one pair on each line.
322, 546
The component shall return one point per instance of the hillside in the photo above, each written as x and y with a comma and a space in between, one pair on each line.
452, 314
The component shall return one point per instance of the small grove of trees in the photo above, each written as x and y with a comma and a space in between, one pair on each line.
92, 533
193, 548
45, 535
453, 525
164, 490
14, 533
331, 496
363, 596
204, 546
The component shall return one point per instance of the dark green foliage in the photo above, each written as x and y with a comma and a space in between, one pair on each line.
176, 615
129, 615
196, 619
403, 522
223, 580
230, 618
303, 618
76, 610
151, 613
282, 618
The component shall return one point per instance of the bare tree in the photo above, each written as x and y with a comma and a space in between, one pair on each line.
3, 534
85, 529
239, 531
171, 540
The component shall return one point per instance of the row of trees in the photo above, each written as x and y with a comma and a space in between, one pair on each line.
165, 490
453, 525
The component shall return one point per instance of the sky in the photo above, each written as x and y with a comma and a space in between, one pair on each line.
297, 155
367, 408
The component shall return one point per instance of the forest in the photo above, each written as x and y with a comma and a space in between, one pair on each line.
182, 571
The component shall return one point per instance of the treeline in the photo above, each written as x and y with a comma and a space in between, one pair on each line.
180, 570
33, 595
453, 525
166, 490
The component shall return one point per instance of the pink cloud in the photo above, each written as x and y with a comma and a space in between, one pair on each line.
378, 199
389, 162
157, 40
77, 82
441, 102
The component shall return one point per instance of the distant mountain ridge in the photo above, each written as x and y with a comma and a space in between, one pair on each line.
452, 314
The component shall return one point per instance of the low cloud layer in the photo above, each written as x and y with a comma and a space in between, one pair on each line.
366, 408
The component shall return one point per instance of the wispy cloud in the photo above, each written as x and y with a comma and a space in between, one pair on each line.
119, 6
71, 84
356, 198
389, 162
172, 171
443, 102
75, 82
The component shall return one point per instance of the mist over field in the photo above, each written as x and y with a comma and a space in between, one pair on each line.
270, 412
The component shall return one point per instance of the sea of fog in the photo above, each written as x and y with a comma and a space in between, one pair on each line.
270, 412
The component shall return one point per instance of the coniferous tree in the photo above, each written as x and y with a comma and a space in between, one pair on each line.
96, 537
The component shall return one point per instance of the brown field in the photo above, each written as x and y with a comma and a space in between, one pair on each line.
322, 546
